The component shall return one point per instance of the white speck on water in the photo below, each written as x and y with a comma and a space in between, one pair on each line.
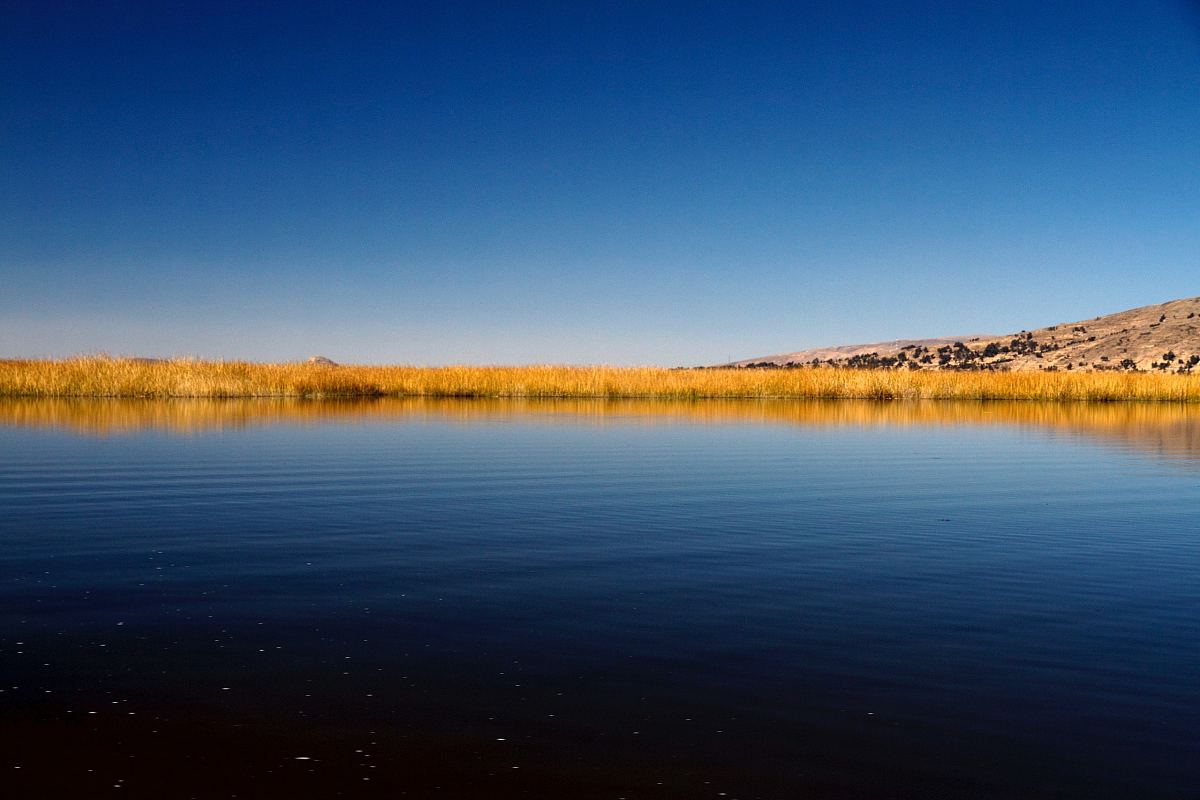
303, 758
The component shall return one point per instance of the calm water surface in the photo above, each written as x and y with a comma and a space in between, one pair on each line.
599, 600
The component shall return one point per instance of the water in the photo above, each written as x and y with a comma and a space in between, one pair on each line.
599, 600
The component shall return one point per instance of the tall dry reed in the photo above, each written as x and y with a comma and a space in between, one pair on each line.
100, 376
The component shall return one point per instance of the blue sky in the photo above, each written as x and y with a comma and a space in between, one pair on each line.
670, 183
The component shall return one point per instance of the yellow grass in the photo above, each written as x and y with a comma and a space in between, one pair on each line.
101, 376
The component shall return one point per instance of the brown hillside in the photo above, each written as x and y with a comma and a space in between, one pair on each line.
1159, 338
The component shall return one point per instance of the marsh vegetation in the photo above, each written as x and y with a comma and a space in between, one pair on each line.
100, 376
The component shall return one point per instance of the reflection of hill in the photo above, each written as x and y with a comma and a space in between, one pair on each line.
1163, 429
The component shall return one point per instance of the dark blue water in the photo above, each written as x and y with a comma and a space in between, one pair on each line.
527, 604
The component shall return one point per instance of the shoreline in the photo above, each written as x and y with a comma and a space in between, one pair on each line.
129, 378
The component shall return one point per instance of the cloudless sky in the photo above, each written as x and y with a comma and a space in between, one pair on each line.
670, 183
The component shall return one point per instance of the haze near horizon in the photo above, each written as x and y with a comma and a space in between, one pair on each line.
618, 183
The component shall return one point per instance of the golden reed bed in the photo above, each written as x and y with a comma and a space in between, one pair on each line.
115, 377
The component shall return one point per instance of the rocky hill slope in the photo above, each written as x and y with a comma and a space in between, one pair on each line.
1158, 338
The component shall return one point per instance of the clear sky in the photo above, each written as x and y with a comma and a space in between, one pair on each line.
670, 183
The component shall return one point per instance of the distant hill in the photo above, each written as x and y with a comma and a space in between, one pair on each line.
1159, 338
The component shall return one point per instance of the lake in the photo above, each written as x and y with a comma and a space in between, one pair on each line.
591, 599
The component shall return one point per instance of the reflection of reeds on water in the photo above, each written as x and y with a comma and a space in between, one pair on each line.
113, 377
1168, 429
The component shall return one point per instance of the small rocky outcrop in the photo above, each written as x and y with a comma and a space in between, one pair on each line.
321, 361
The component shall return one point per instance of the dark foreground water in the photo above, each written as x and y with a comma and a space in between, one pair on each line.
599, 601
